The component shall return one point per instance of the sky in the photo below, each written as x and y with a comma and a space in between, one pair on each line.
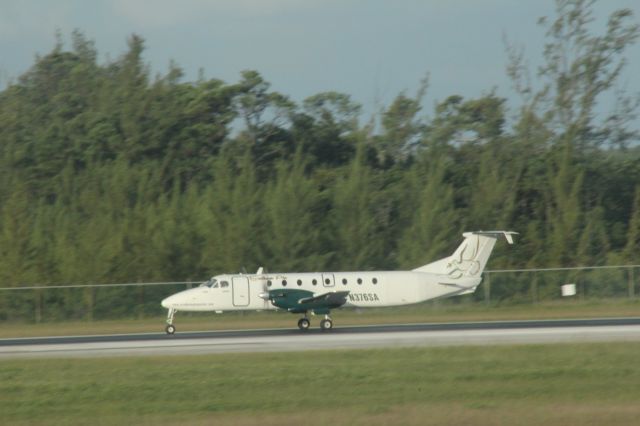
369, 49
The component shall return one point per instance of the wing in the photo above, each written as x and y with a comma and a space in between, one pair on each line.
300, 301
332, 299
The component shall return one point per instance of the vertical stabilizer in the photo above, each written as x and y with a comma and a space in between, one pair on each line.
470, 257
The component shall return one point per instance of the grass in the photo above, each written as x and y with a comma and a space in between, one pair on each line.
581, 384
428, 312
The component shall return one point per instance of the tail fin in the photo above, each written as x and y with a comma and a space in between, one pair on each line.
470, 257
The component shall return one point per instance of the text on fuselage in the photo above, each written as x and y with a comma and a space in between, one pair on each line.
363, 297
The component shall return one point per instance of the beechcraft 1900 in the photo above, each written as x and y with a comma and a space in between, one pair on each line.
320, 292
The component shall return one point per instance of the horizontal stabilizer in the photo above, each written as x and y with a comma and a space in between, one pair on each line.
460, 288
508, 235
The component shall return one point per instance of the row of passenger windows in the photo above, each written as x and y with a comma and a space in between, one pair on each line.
326, 280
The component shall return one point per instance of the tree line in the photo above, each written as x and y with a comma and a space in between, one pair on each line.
111, 174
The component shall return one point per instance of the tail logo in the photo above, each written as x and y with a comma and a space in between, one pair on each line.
465, 263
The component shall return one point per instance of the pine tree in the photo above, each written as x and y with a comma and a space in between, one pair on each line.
353, 220
435, 220
292, 217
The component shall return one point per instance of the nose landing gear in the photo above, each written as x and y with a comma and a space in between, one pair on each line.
170, 328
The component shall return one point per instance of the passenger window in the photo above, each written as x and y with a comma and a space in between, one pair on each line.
299, 282
327, 281
344, 281
359, 280
314, 282
224, 284
375, 281
284, 283
268, 283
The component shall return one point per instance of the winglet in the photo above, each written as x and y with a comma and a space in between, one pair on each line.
509, 236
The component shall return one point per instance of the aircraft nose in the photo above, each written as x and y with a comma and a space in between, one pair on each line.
167, 302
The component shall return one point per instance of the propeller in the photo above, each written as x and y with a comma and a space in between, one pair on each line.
265, 289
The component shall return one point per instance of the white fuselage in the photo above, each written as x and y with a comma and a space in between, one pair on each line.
366, 289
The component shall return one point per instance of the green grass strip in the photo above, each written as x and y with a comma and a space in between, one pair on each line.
532, 384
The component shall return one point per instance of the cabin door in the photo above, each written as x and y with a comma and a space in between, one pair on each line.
240, 291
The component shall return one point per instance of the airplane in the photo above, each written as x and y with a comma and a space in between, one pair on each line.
320, 292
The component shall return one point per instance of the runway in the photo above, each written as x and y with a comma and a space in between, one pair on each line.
354, 337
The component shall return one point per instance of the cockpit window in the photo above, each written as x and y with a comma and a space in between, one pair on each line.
213, 283
224, 284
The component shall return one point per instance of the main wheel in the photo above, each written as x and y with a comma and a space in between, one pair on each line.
326, 324
303, 324
170, 329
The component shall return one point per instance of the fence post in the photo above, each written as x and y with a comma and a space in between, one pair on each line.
632, 286
487, 289
534, 289
38, 306
141, 302
89, 294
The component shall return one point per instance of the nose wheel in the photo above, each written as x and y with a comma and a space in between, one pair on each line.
170, 328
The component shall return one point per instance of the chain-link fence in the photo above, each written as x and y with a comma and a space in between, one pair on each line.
85, 302
44, 303
541, 284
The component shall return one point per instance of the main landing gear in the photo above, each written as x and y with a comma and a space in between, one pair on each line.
170, 328
326, 324
304, 324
